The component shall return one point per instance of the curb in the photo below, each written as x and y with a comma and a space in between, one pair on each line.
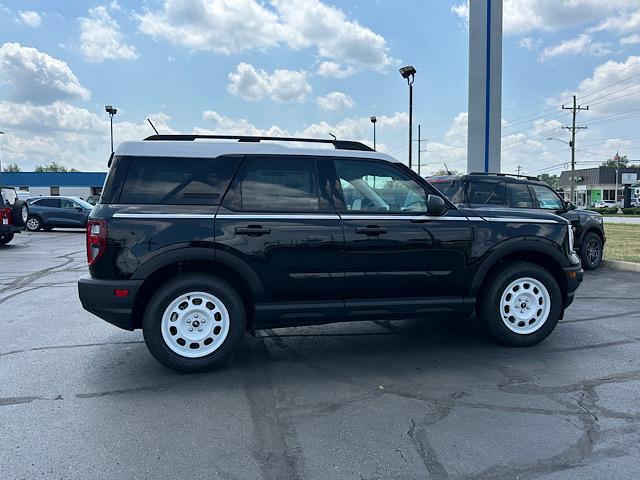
623, 266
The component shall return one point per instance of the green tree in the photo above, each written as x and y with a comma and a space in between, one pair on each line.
622, 161
53, 167
553, 180
12, 167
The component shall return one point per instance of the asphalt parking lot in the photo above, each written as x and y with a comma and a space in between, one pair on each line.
405, 400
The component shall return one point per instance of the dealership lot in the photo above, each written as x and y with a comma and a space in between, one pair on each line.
435, 399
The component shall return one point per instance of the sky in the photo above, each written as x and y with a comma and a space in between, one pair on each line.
311, 68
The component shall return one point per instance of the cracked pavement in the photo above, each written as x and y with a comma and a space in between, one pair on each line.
80, 398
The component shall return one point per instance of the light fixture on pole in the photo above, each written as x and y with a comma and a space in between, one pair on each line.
374, 120
409, 73
111, 111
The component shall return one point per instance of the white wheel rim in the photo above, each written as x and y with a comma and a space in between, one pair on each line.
25, 213
195, 324
32, 224
525, 305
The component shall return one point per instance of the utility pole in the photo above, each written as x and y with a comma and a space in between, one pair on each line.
519, 170
420, 140
419, 148
574, 111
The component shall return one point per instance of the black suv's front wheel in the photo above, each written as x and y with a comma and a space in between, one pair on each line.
521, 304
591, 251
193, 323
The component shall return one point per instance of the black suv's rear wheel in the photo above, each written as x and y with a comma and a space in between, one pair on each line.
6, 238
521, 304
193, 323
591, 251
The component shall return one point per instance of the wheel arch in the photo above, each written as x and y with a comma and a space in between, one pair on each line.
162, 268
540, 252
586, 231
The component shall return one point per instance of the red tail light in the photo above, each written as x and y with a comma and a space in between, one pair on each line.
96, 240
5, 216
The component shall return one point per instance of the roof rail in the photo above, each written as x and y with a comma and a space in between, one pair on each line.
338, 144
504, 175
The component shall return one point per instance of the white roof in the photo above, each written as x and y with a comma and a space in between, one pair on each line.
210, 149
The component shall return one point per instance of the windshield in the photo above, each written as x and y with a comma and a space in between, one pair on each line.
82, 203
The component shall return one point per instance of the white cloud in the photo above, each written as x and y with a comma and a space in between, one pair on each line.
62, 132
358, 129
281, 85
522, 16
582, 44
312, 22
529, 43
101, 38
630, 40
335, 70
624, 22
30, 18
226, 125
235, 26
37, 77
335, 101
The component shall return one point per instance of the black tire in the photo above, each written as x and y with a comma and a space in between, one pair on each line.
591, 251
19, 213
6, 238
151, 323
34, 223
489, 304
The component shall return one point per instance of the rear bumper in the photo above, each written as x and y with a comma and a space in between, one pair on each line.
6, 229
574, 277
98, 297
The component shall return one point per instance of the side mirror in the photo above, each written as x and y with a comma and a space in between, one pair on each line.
570, 206
79, 209
435, 205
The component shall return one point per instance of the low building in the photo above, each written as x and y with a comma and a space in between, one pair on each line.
599, 183
76, 184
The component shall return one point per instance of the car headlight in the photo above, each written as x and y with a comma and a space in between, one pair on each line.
570, 231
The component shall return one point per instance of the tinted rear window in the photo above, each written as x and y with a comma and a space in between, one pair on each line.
175, 181
486, 193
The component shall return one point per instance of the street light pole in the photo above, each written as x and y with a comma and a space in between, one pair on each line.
409, 73
111, 111
374, 120
1, 133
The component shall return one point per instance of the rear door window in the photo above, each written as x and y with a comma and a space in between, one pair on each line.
519, 196
9, 196
275, 184
177, 181
486, 193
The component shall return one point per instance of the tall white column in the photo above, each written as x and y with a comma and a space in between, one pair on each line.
485, 85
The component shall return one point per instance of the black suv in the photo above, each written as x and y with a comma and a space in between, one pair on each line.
480, 190
13, 214
197, 241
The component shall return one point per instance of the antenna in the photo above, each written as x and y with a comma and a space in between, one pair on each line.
334, 137
152, 126
447, 169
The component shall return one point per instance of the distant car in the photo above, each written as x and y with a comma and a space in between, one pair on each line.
635, 202
48, 213
13, 214
607, 204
